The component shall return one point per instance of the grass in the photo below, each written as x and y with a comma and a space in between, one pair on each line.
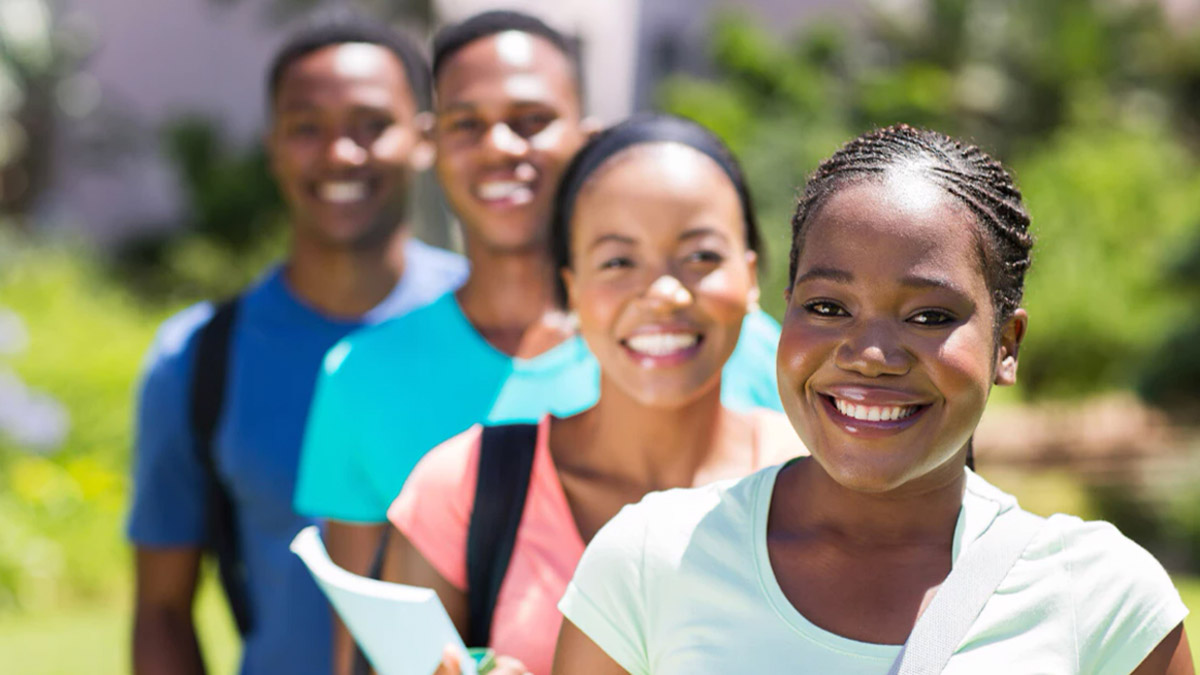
95, 639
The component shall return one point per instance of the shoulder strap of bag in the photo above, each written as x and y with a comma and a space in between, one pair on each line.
966, 590
209, 375
505, 463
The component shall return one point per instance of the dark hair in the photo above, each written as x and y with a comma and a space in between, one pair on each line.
342, 27
965, 171
641, 130
458, 35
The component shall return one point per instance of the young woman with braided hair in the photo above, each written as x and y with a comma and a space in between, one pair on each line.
881, 551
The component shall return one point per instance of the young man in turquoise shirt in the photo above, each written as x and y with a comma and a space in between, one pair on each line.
508, 120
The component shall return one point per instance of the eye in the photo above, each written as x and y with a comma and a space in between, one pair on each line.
530, 124
615, 263
375, 126
708, 257
304, 129
932, 317
825, 308
463, 125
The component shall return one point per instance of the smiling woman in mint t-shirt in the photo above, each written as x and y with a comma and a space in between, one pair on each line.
908, 258
656, 239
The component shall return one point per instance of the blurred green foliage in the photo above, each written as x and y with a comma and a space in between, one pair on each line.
60, 514
1092, 104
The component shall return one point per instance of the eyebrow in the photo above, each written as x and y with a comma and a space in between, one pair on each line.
827, 273
702, 231
604, 238
458, 107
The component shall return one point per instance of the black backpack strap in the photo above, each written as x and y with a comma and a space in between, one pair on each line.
505, 463
360, 665
209, 375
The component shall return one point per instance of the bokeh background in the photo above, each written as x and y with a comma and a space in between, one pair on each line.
132, 184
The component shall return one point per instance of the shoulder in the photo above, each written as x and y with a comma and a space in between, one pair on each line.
174, 340
777, 439
1096, 554
663, 524
398, 340
451, 462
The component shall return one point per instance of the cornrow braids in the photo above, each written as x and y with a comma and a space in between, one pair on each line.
964, 171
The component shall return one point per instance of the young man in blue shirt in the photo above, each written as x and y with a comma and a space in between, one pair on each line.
346, 135
509, 117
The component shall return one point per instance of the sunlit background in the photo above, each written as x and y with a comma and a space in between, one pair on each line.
132, 183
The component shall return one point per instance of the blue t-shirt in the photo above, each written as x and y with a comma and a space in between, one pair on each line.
277, 345
390, 393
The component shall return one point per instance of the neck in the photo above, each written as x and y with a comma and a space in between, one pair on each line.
816, 502
508, 290
656, 448
344, 282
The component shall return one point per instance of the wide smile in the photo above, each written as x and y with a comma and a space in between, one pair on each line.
874, 419
344, 192
505, 193
661, 349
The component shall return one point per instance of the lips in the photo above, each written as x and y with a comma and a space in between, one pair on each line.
659, 349
868, 412
505, 192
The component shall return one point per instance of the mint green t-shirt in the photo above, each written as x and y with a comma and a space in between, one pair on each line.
681, 583
390, 393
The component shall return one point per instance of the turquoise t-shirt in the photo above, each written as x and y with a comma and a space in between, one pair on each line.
390, 393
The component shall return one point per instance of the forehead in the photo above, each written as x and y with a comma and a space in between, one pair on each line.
368, 71
661, 182
508, 66
901, 224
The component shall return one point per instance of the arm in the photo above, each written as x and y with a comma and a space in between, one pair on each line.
576, 653
1172, 656
164, 638
405, 564
352, 546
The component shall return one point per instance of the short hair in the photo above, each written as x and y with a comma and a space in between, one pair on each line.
343, 27
964, 171
450, 39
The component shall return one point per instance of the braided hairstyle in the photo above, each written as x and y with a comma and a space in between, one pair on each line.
965, 171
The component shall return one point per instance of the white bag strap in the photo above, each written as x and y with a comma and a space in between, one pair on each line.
961, 598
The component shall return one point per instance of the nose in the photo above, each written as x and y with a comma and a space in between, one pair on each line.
345, 151
873, 350
670, 290
503, 141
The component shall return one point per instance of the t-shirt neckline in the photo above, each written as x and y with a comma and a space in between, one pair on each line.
987, 501
562, 354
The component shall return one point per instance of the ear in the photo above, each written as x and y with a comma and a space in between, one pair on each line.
424, 151
590, 126
568, 277
1007, 346
755, 292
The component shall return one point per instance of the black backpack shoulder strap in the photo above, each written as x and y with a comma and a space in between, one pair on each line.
209, 375
505, 463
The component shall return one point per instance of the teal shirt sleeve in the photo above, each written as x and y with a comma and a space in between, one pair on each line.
331, 478
748, 380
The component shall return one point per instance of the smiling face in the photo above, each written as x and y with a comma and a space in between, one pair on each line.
508, 122
343, 143
660, 275
888, 350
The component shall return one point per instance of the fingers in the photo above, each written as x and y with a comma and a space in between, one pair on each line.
449, 664
507, 665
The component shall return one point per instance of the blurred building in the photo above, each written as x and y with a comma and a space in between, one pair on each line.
158, 61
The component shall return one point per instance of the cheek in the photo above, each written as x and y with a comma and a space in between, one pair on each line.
393, 146
724, 293
801, 352
964, 370
557, 140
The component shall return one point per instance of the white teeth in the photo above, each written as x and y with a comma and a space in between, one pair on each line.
661, 344
504, 189
343, 192
874, 413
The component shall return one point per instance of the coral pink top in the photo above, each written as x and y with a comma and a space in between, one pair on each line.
434, 511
